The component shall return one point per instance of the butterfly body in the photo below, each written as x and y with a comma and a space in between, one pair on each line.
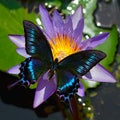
66, 71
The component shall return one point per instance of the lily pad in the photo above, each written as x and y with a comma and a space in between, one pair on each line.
109, 47
11, 23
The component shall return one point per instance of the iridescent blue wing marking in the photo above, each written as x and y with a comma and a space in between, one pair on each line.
36, 42
38, 47
75, 65
67, 83
81, 62
31, 69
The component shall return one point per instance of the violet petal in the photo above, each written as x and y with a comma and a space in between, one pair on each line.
44, 90
68, 28
99, 74
76, 17
22, 52
18, 40
57, 22
95, 41
14, 69
77, 34
47, 22
81, 91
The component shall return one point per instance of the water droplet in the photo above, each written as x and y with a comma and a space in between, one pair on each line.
98, 24
89, 108
46, 4
38, 21
83, 104
84, 10
75, 2
79, 99
49, 6
69, 8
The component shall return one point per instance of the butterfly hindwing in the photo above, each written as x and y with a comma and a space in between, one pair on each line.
36, 42
73, 66
81, 62
67, 84
31, 69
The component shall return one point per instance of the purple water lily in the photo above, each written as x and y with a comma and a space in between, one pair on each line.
65, 38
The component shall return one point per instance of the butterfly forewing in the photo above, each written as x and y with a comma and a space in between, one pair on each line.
38, 47
81, 62
36, 42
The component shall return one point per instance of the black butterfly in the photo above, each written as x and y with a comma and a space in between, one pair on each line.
67, 70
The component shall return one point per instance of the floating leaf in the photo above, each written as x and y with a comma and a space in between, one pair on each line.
89, 84
11, 18
109, 47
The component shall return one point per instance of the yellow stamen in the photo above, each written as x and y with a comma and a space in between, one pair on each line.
63, 46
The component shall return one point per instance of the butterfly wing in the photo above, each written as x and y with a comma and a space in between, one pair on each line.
36, 43
67, 83
73, 66
31, 69
41, 58
81, 62
38, 47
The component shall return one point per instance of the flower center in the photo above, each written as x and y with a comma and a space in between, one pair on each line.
63, 46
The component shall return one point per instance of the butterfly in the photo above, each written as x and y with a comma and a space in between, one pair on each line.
67, 71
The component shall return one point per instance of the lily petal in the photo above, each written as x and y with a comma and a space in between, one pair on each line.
68, 27
58, 22
76, 17
18, 40
44, 89
47, 22
95, 41
22, 52
14, 69
81, 91
77, 34
99, 74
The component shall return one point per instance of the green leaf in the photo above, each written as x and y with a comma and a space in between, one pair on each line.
11, 19
109, 47
89, 84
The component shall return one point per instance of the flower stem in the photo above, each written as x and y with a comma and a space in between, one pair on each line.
74, 108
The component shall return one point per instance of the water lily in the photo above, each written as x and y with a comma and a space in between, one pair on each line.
65, 38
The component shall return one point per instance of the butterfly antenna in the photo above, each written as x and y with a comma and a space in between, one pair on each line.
14, 84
